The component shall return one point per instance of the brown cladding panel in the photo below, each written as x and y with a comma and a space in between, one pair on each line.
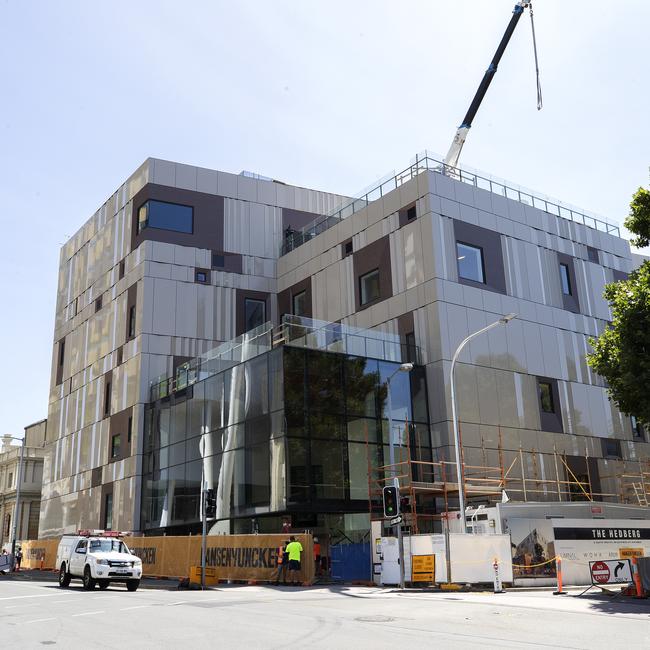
207, 218
285, 298
370, 257
240, 318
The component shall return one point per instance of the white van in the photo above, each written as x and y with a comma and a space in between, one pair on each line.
98, 559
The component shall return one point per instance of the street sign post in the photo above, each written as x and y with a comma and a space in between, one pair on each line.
610, 572
396, 520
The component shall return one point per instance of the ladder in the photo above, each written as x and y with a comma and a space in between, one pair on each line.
640, 494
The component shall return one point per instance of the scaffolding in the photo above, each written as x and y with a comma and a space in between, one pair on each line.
428, 486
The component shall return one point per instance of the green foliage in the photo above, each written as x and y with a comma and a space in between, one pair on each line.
622, 352
638, 221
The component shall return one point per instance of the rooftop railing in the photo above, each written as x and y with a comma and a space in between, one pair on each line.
425, 162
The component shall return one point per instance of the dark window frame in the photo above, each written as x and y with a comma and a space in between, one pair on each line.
108, 511
300, 295
550, 420
143, 224
611, 448
248, 300
481, 258
99, 303
373, 272
204, 273
131, 322
116, 449
122, 270
107, 398
218, 261
549, 396
347, 248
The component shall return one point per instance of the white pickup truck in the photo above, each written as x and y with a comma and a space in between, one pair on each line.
97, 560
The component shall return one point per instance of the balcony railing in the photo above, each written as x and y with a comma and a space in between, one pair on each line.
425, 162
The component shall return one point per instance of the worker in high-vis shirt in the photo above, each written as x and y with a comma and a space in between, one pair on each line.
294, 549
283, 563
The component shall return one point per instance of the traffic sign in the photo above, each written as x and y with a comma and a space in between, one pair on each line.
608, 572
396, 520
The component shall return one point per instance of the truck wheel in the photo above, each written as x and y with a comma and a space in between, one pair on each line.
89, 581
103, 584
132, 585
64, 577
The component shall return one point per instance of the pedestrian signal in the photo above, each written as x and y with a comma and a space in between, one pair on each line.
391, 501
210, 504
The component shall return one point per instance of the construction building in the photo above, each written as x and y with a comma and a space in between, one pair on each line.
241, 331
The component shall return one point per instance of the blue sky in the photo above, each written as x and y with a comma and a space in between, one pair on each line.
330, 95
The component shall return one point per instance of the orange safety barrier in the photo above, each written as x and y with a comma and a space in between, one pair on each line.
637, 578
558, 565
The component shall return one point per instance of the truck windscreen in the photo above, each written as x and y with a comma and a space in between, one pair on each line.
107, 545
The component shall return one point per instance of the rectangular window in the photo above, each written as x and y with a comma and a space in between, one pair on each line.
470, 262
410, 347
98, 304
592, 254
122, 269
565, 280
166, 216
347, 248
411, 214
108, 512
115, 446
61, 351
218, 261
546, 397
254, 313
611, 448
299, 304
131, 321
107, 398
120, 355
369, 287
201, 276
129, 429
10, 479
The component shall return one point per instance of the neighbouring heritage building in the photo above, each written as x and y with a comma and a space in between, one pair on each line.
31, 478
240, 331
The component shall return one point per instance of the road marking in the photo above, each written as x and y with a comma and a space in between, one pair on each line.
89, 613
14, 606
126, 609
180, 602
31, 596
40, 620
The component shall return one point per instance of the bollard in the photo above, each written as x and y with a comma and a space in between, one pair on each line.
498, 587
558, 565
637, 579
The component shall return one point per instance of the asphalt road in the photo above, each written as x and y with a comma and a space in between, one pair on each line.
38, 613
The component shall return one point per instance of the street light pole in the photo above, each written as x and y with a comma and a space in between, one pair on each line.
19, 480
405, 367
457, 443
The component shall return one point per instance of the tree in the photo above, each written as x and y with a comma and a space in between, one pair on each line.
622, 352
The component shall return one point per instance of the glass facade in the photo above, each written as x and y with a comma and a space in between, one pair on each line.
470, 262
165, 216
288, 434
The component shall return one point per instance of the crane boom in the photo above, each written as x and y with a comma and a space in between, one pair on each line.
451, 159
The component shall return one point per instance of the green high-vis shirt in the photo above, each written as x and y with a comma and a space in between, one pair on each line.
294, 549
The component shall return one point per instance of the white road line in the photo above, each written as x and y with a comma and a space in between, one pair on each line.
89, 613
31, 596
126, 609
180, 602
40, 620
14, 606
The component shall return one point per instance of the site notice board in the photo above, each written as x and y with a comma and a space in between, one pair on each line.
423, 568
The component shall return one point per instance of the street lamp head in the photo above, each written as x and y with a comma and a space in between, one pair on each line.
504, 320
406, 367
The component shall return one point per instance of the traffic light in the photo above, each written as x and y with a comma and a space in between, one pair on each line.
210, 504
391, 501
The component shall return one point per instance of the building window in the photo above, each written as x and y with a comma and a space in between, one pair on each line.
131, 321
61, 351
115, 446
592, 254
565, 279
98, 304
411, 213
129, 429
166, 216
470, 262
299, 304
7, 525
10, 479
546, 397
201, 276
108, 512
107, 398
611, 448
254, 313
347, 248
410, 347
637, 428
122, 269
120, 356
369, 287
218, 261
